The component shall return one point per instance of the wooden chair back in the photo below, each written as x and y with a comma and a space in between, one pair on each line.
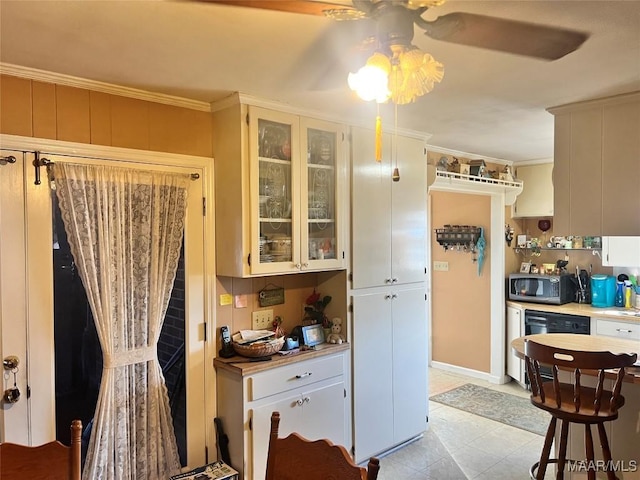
294, 457
576, 398
51, 461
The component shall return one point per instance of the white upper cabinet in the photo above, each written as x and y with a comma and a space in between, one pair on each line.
388, 218
536, 199
620, 251
279, 192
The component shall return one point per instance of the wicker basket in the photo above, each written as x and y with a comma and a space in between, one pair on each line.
259, 349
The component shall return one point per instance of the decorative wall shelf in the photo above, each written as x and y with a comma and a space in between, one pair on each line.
460, 182
458, 237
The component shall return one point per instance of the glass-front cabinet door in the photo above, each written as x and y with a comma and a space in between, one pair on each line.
274, 150
320, 177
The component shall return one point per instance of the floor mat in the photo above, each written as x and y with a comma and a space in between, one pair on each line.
501, 407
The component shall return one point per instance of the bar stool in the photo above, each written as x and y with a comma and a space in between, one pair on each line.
573, 402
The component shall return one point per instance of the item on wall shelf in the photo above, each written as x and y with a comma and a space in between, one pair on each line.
477, 167
508, 234
462, 238
271, 295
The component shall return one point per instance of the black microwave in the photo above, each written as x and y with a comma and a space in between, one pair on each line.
552, 289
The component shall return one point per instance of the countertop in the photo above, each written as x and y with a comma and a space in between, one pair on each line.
617, 313
243, 366
594, 343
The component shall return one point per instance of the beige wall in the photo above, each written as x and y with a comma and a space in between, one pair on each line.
297, 288
461, 310
36, 109
529, 226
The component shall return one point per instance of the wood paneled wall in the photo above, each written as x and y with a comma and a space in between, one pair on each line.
32, 108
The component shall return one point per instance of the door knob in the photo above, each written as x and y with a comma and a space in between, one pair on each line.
11, 395
11, 362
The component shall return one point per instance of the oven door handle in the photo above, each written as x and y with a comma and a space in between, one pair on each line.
534, 318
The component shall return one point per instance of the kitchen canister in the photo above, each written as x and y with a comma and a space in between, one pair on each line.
603, 290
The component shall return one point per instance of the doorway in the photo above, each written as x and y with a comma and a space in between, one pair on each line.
27, 306
78, 355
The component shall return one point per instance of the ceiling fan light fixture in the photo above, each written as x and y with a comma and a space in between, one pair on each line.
405, 75
371, 81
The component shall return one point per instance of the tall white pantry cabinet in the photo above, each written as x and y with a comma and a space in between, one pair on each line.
388, 292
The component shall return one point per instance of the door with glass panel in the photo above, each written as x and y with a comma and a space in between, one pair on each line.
60, 343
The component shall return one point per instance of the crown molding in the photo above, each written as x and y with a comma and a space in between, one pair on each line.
595, 103
71, 81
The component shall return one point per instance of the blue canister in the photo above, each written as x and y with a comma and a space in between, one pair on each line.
603, 290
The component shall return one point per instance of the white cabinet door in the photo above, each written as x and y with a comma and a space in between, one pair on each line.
388, 218
515, 366
323, 200
621, 251
372, 374
536, 199
314, 414
410, 347
408, 214
274, 153
370, 210
390, 369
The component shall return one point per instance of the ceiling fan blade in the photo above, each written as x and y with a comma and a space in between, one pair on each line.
307, 7
512, 36
325, 65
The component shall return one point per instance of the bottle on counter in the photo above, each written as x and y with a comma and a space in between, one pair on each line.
619, 294
627, 294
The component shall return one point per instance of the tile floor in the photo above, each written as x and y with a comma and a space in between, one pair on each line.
460, 445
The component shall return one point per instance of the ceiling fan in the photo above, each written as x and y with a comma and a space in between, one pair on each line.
394, 21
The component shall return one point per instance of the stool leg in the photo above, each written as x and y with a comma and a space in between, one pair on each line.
606, 452
562, 451
588, 441
546, 450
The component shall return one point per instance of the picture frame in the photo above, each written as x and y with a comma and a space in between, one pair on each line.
525, 267
313, 334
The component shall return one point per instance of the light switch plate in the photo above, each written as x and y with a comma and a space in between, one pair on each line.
262, 320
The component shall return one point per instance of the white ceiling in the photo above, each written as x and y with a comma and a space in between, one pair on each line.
489, 104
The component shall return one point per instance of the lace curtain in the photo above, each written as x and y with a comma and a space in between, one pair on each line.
125, 228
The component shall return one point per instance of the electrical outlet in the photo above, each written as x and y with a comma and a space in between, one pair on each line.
440, 266
262, 320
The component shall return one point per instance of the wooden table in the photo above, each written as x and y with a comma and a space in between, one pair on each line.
587, 343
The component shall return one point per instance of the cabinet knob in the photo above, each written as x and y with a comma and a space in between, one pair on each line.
298, 266
394, 280
387, 280
305, 265
395, 295
306, 400
299, 402
387, 297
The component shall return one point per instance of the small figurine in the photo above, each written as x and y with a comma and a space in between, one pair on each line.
277, 327
336, 332
443, 164
506, 174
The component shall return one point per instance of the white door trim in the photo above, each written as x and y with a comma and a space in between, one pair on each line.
38, 208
